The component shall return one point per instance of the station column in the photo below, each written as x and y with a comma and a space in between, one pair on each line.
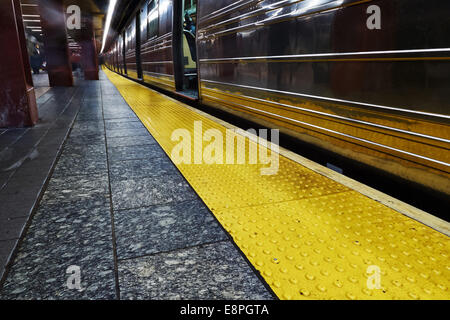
17, 99
89, 57
56, 45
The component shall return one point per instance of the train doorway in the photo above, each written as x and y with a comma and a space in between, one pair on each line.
185, 50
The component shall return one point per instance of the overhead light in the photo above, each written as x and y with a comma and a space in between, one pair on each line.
111, 7
31, 15
25, 20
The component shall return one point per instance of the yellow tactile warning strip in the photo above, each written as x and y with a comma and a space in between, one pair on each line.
309, 236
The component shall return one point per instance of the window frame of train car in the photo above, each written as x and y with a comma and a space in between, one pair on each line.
138, 42
177, 47
124, 61
129, 43
152, 34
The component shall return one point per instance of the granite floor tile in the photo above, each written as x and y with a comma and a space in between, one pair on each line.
91, 150
123, 125
94, 182
86, 111
72, 226
47, 151
72, 164
62, 122
6, 248
21, 151
68, 222
70, 112
40, 271
83, 198
214, 271
115, 105
25, 183
31, 137
6, 198
12, 158
132, 132
86, 194
83, 183
87, 132
117, 110
91, 106
43, 98
34, 164
144, 192
86, 140
16, 191
162, 228
135, 152
90, 116
131, 141
113, 98
116, 115
44, 124
92, 102
56, 132
89, 125
39, 167
111, 121
4, 177
17, 208
10, 137
11, 228
55, 137
110, 93
123, 170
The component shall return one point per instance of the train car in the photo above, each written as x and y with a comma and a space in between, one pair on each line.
156, 43
364, 79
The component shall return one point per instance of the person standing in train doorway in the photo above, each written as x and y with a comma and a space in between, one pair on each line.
189, 31
36, 59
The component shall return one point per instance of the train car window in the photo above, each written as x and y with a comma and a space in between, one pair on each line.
152, 19
188, 47
189, 28
128, 40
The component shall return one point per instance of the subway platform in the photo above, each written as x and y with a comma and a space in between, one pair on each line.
89, 187
94, 187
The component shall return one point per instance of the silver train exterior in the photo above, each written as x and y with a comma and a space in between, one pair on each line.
367, 79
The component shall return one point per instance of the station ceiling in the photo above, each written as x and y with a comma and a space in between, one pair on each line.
95, 8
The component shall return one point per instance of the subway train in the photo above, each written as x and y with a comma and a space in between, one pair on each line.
366, 79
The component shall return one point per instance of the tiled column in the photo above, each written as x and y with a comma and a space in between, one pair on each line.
89, 57
56, 45
17, 98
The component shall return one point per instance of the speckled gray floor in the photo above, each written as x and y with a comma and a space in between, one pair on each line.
164, 228
27, 156
117, 208
213, 271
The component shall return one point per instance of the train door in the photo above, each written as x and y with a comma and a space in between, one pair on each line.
184, 46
